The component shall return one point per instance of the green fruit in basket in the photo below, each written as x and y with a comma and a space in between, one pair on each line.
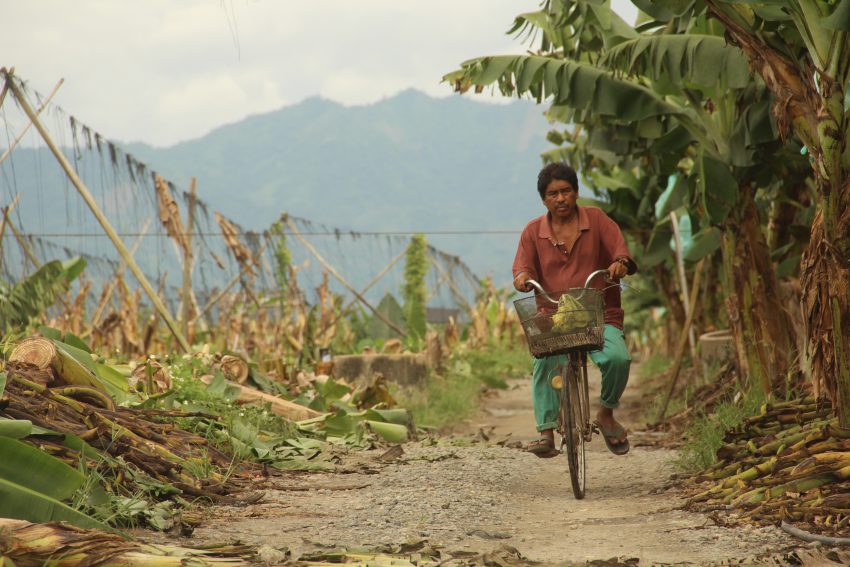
571, 314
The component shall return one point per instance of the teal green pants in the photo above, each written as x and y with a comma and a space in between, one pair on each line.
613, 362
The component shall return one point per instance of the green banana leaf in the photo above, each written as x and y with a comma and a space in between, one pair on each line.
389, 431
79, 363
693, 59
73, 340
579, 86
705, 242
397, 415
15, 428
718, 187
22, 503
30, 467
33, 484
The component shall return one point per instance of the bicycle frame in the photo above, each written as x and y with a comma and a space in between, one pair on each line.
574, 423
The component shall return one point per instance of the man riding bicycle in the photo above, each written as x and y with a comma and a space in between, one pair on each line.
560, 250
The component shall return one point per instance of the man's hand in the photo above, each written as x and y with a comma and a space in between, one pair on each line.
617, 270
521, 282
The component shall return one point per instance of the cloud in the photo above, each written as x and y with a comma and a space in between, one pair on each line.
162, 71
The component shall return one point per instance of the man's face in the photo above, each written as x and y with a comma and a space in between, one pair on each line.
560, 199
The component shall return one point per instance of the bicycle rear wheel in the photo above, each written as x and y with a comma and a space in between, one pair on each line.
573, 419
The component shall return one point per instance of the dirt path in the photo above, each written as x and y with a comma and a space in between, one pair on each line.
476, 496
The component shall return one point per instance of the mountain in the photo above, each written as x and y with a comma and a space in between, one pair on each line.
406, 163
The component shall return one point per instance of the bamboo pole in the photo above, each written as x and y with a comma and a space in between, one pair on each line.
197, 308
23, 244
118, 272
6, 212
250, 293
5, 86
683, 340
233, 281
375, 280
104, 222
41, 108
188, 259
341, 280
450, 281
683, 280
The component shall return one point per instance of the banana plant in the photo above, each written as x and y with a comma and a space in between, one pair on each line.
26, 301
679, 81
801, 50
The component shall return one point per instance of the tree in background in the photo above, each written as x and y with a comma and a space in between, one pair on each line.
801, 49
669, 99
415, 270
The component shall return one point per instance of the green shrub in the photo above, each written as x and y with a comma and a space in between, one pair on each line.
705, 435
452, 396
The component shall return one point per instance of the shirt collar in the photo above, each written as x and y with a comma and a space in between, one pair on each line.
545, 229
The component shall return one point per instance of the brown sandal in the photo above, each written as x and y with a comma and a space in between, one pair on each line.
542, 447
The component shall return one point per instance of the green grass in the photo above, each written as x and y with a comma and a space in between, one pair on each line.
653, 366
453, 396
705, 435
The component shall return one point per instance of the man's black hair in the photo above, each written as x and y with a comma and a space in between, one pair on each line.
552, 171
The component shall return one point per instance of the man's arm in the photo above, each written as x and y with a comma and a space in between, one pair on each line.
615, 246
525, 261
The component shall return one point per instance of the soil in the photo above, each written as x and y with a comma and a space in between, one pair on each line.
465, 493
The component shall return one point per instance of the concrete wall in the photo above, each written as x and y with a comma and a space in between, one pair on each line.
403, 369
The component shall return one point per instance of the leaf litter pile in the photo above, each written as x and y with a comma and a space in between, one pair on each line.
788, 466
96, 444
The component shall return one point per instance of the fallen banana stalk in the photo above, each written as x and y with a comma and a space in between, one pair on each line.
792, 461
279, 406
140, 437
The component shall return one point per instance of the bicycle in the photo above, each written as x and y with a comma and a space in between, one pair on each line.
574, 329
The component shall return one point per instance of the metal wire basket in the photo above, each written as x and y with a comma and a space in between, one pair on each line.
563, 321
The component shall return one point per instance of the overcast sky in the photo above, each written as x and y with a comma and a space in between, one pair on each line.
163, 71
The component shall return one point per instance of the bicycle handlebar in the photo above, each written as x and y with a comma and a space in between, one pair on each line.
541, 290
587, 282
593, 275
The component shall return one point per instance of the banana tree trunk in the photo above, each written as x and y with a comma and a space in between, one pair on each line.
812, 104
825, 279
760, 324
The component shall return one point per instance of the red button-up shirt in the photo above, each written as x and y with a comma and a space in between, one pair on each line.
598, 244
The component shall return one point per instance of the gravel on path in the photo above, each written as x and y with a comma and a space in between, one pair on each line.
471, 495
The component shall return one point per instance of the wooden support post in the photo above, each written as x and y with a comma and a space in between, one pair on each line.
683, 280
341, 280
6, 212
188, 260
41, 108
104, 222
683, 341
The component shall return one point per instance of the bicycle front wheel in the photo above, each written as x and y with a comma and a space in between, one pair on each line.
573, 418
